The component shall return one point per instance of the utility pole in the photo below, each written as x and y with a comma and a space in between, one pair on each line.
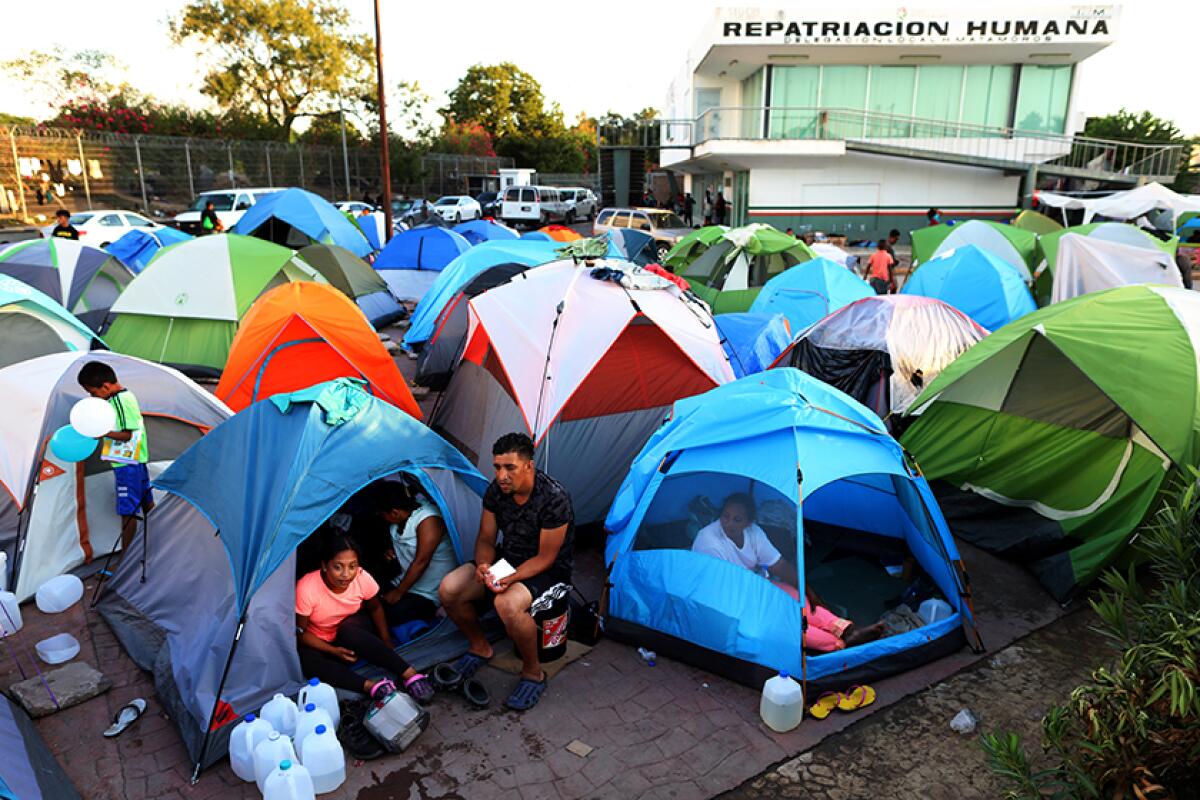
345, 153
383, 132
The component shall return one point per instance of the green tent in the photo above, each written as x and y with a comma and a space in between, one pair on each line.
1119, 232
689, 248
1059, 428
730, 273
184, 308
1036, 222
354, 278
1015, 245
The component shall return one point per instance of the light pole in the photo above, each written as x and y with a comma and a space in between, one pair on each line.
345, 152
383, 131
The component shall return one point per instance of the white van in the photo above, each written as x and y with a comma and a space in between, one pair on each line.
533, 206
229, 204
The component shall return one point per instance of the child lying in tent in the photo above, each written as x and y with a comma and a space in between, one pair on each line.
737, 538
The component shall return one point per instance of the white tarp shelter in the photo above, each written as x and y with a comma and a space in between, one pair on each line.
1087, 264
1127, 205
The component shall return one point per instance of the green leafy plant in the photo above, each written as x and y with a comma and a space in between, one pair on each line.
1133, 731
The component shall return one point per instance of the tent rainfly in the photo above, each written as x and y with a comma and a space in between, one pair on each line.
1009, 243
977, 283
84, 280
296, 218
136, 248
730, 273
354, 278
413, 259
32, 325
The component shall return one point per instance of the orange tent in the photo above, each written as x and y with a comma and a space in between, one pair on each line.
560, 233
300, 334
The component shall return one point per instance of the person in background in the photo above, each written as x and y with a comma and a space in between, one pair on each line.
209, 221
689, 209
720, 208
1183, 260
881, 269
64, 229
790, 232
421, 546
934, 216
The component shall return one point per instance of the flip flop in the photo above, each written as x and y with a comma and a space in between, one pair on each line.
446, 678
825, 705
856, 697
468, 664
126, 716
476, 693
527, 694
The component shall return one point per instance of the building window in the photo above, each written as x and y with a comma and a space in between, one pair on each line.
892, 91
1042, 98
794, 88
939, 97
752, 103
843, 87
987, 95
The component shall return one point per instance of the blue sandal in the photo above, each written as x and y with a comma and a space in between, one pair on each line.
527, 694
468, 664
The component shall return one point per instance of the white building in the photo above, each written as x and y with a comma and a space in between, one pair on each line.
858, 122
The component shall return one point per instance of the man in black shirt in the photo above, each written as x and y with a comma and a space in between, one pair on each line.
533, 512
209, 221
64, 229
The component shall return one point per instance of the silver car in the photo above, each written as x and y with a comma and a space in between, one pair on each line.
581, 203
665, 226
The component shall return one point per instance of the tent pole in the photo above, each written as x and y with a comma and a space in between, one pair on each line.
237, 636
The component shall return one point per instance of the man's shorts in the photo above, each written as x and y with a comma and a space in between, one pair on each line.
133, 488
544, 589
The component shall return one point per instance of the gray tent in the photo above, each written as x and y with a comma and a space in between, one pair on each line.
28, 770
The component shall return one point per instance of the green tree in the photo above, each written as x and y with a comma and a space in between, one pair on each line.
1144, 127
60, 77
505, 100
283, 59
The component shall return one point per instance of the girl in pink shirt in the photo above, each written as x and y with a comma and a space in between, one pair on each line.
334, 631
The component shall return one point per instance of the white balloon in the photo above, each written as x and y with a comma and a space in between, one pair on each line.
93, 417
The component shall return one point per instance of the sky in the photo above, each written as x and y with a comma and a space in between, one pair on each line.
618, 55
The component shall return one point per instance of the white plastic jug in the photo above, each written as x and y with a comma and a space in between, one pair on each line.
782, 704
309, 720
934, 610
288, 781
321, 754
268, 753
245, 737
57, 649
10, 614
324, 696
281, 712
58, 594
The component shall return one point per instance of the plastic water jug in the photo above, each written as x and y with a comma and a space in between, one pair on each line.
245, 737
281, 713
288, 781
268, 753
309, 720
321, 754
10, 614
396, 721
324, 696
934, 610
782, 704
57, 649
58, 594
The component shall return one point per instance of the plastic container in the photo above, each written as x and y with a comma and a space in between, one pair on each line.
552, 623
58, 594
269, 753
10, 614
934, 610
281, 712
324, 695
245, 737
396, 722
649, 656
309, 720
782, 703
3, 571
321, 754
58, 648
288, 781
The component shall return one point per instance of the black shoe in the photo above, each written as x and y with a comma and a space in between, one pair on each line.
476, 693
446, 678
360, 744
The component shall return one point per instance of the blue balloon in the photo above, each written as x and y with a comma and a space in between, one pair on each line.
70, 445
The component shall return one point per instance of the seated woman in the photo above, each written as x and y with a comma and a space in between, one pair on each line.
422, 548
335, 633
736, 537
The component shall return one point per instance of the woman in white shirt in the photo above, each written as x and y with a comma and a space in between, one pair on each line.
736, 537
421, 546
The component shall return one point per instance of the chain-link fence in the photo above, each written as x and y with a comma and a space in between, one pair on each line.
42, 169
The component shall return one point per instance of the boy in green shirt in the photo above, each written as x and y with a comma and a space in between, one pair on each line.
125, 447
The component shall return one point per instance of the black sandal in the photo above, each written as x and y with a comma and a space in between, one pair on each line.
446, 678
476, 693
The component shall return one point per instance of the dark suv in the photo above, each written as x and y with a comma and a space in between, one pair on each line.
489, 203
412, 211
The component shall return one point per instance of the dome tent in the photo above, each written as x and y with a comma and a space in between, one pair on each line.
582, 364
810, 291
752, 340
1054, 428
881, 350
690, 247
32, 325
729, 274
305, 333
413, 259
296, 218
84, 280
225, 537
1138, 254
185, 307
828, 482
55, 515
354, 278
1036, 222
977, 283
478, 231
1009, 243
136, 248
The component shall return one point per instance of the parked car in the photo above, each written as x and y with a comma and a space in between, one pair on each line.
665, 226
489, 204
581, 203
411, 211
354, 207
230, 205
457, 208
532, 206
100, 228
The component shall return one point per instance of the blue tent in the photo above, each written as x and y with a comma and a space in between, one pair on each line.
987, 289
478, 231
413, 259
778, 436
214, 615
753, 341
373, 226
296, 218
631, 245
462, 269
537, 236
136, 248
810, 291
